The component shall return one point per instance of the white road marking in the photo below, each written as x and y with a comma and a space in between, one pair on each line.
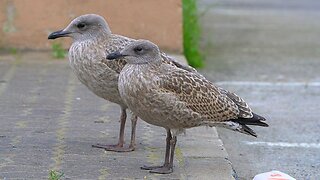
257, 83
285, 144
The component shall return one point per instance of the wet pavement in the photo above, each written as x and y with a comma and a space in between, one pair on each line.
268, 53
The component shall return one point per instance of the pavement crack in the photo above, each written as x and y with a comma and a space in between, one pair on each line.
60, 146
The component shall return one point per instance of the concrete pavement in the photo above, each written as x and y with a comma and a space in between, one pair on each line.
49, 120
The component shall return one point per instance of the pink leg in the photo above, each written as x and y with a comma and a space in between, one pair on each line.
167, 167
134, 119
118, 147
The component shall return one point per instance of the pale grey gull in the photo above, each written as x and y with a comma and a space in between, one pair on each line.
176, 99
92, 41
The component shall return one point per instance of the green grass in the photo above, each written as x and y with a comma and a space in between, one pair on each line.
191, 34
58, 51
10, 50
13, 51
55, 175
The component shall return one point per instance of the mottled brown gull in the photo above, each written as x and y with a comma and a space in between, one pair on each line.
92, 41
176, 99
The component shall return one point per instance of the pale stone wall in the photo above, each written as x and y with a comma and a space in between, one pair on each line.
27, 23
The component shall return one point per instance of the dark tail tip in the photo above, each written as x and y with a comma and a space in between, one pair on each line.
256, 120
248, 130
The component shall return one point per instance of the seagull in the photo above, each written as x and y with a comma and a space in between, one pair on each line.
176, 99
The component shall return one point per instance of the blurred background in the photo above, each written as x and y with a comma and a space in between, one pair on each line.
268, 53
265, 51
26, 25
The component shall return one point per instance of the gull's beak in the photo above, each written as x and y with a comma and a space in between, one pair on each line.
115, 55
59, 34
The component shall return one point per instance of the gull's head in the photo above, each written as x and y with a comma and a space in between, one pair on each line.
83, 28
138, 52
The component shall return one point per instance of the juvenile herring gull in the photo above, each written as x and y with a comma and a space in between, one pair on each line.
92, 41
176, 99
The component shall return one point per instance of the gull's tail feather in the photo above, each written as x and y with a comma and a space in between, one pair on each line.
240, 124
256, 120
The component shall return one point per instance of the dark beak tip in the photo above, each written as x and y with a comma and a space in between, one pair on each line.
109, 57
51, 37
113, 56
58, 34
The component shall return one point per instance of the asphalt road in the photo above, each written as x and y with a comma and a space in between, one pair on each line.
268, 53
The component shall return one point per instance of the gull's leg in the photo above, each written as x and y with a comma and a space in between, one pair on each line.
165, 168
166, 158
134, 119
168, 168
173, 143
118, 147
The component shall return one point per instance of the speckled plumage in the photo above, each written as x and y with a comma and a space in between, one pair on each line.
176, 99
87, 62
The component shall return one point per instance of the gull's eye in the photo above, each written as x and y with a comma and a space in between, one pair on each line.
138, 49
81, 25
